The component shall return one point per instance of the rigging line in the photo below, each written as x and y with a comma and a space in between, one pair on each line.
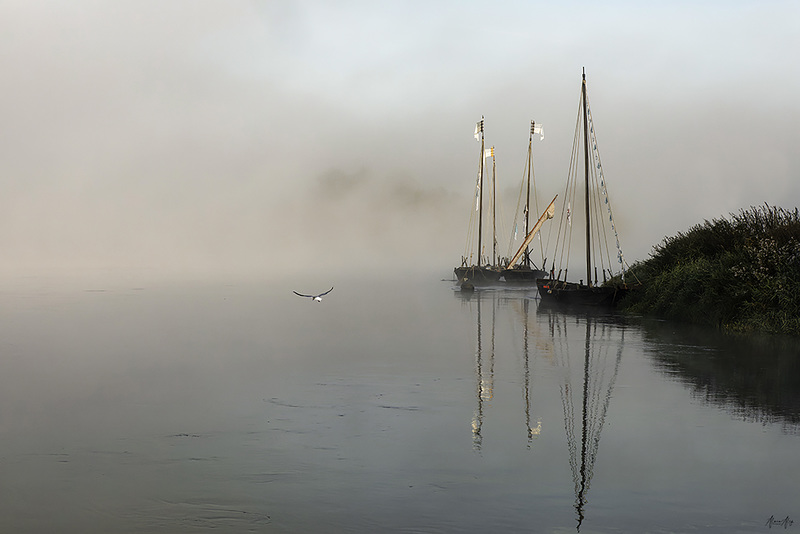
550, 237
573, 186
604, 252
620, 254
533, 185
512, 238
468, 246
503, 230
601, 230
547, 245
475, 225
472, 229
603, 249
600, 223
564, 236
564, 220
535, 201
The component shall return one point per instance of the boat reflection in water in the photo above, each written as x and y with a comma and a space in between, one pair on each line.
584, 423
586, 366
485, 355
626, 419
484, 371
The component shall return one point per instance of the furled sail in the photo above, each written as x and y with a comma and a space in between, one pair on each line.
549, 213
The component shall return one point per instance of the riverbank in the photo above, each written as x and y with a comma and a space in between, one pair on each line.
741, 274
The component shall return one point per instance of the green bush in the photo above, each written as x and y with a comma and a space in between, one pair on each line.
740, 274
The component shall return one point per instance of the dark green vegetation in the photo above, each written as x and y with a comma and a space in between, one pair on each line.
741, 274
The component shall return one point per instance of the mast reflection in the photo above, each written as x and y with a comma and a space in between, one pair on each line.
599, 375
485, 357
531, 431
583, 349
484, 372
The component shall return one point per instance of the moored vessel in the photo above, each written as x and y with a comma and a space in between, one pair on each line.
598, 225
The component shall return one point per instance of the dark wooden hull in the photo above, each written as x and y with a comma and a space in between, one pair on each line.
571, 294
477, 274
522, 275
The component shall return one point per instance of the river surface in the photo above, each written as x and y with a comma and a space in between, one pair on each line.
390, 406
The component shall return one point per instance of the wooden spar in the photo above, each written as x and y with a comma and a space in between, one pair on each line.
548, 214
586, 171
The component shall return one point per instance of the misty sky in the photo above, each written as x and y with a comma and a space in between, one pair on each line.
293, 136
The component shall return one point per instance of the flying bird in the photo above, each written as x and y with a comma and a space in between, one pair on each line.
315, 298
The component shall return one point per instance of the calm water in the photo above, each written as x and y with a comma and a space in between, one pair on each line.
388, 407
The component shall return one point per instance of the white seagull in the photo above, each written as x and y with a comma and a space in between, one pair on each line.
315, 298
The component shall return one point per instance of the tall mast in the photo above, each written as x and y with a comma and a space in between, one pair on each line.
494, 211
586, 172
480, 196
527, 260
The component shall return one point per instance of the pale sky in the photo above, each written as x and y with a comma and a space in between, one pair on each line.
293, 136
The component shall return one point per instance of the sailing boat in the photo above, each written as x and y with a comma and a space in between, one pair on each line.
482, 271
553, 288
526, 271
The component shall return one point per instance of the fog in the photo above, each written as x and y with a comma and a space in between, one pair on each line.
263, 138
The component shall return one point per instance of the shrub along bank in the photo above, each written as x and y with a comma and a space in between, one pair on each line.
740, 274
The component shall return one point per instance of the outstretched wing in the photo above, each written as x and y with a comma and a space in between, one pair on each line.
328, 291
301, 295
